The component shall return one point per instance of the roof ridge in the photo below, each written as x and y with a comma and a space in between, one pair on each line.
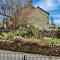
43, 10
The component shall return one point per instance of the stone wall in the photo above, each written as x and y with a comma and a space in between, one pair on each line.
39, 19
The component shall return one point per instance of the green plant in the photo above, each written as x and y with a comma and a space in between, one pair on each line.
3, 36
32, 31
21, 33
11, 36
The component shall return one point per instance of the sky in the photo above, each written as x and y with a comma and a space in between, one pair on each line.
52, 7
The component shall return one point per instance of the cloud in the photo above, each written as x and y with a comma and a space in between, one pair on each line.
56, 17
49, 4
58, 2
57, 22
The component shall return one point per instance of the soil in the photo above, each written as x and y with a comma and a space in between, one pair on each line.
32, 48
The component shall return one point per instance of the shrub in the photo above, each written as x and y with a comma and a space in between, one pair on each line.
18, 40
58, 34
32, 31
21, 33
3, 36
11, 36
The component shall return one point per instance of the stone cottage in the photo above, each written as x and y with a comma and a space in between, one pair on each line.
30, 15
34, 16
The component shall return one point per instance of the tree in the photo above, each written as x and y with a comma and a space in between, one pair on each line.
12, 9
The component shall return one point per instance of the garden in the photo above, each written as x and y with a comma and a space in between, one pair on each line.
31, 40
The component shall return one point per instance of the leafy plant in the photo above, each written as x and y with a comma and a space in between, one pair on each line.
3, 36
32, 31
21, 33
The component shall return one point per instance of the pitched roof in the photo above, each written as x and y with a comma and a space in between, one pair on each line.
29, 9
43, 10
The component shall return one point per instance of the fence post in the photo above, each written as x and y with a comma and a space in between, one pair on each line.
25, 57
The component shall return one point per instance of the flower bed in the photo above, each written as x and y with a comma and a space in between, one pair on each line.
29, 47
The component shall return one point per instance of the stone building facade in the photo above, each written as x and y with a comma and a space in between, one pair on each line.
39, 18
35, 16
30, 15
